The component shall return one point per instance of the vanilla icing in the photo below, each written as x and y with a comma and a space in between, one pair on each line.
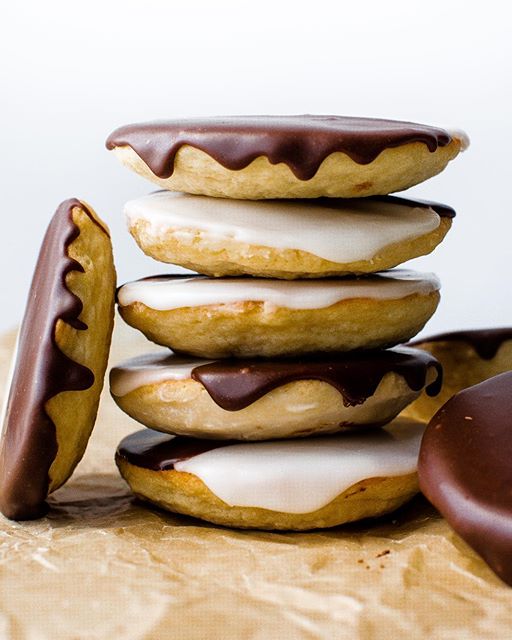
301, 476
338, 230
151, 368
168, 293
461, 136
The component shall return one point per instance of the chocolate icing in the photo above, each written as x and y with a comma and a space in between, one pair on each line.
485, 342
29, 442
442, 210
235, 384
158, 451
465, 470
302, 142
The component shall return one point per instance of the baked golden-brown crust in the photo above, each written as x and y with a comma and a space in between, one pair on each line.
298, 409
74, 412
258, 329
462, 368
393, 170
193, 249
185, 493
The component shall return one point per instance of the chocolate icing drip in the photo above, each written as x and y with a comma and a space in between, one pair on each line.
235, 384
465, 471
485, 342
157, 451
301, 142
29, 443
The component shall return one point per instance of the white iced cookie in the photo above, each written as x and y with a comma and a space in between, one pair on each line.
269, 399
284, 484
223, 317
308, 156
285, 238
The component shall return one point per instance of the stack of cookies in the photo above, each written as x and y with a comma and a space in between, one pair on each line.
276, 407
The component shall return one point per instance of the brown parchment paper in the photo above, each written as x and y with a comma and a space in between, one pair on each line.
102, 565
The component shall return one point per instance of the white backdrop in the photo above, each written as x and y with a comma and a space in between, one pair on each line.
71, 73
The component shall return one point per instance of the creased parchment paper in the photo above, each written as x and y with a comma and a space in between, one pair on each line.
102, 565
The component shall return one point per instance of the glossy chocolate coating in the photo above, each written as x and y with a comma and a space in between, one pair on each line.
485, 342
235, 384
29, 441
158, 451
465, 468
302, 142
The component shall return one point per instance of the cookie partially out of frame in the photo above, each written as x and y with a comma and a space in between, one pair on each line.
306, 156
464, 468
249, 317
292, 484
60, 362
468, 357
268, 399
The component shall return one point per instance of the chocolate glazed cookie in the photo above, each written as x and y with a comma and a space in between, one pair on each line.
60, 363
468, 357
266, 399
285, 156
465, 471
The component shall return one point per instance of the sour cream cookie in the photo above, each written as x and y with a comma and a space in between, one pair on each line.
464, 468
220, 318
61, 359
286, 238
468, 357
305, 156
268, 399
293, 484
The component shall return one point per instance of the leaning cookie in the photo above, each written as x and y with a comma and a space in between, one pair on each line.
467, 357
61, 359
292, 484
269, 399
306, 156
224, 317
287, 238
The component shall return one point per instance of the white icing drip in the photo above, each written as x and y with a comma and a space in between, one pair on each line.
337, 230
151, 368
460, 135
301, 476
176, 293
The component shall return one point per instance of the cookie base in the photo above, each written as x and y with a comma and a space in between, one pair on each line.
74, 412
295, 410
195, 250
395, 169
246, 329
184, 493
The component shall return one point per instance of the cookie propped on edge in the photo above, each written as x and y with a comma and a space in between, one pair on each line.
61, 359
